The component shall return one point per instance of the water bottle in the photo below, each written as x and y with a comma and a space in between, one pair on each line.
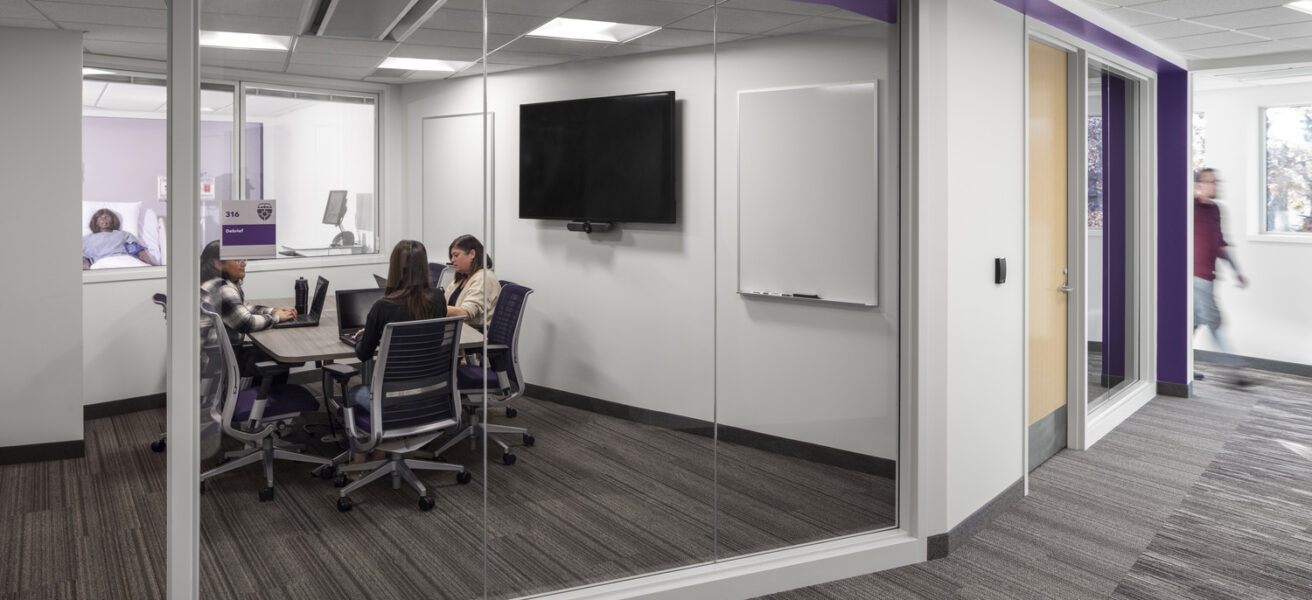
302, 295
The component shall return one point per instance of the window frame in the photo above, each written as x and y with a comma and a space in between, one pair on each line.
1256, 231
238, 82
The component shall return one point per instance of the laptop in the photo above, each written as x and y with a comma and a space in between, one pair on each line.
382, 281
352, 310
310, 319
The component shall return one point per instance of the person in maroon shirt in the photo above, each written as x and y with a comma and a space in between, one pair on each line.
1209, 246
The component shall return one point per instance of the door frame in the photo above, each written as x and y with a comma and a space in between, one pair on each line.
1085, 429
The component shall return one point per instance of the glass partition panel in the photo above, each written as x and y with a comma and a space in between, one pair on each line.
1112, 333
601, 199
807, 289
332, 387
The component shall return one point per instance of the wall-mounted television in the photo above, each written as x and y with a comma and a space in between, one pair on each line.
605, 159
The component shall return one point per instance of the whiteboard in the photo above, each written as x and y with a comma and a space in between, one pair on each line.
808, 193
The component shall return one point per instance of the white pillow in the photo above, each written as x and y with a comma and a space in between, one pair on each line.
118, 261
152, 236
129, 215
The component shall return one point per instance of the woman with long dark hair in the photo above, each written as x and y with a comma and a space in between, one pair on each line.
476, 288
409, 296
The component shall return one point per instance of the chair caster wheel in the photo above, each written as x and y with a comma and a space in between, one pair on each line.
266, 494
325, 472
529, 440
339, 480
508, 458
426, 503
463, 477
158, 445
344, 504
511, 413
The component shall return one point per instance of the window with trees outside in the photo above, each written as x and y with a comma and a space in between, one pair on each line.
1288, 152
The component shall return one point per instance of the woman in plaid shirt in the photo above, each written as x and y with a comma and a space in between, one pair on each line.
222, 290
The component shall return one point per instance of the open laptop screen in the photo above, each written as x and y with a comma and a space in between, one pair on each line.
353, 307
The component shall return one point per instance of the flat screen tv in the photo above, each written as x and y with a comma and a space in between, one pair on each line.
605, 159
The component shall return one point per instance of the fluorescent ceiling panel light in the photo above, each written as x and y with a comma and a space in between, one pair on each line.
244, 41
1301, 6
423, 64
90, 71
591, 31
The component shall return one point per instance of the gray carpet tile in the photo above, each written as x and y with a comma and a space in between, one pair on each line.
1189, 498
597, 498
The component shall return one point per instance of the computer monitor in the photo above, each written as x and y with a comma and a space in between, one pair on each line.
336, 209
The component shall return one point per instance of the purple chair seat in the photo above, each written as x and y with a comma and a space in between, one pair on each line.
282, 401
471, 377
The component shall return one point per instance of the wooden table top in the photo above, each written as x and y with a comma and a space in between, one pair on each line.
305, 344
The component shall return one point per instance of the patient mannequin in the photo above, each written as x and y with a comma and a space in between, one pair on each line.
108, 239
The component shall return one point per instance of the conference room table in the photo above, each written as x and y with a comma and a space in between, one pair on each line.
321, 343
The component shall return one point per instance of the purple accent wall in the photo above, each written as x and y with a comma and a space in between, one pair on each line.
883, 10
1173, 268
1113, 225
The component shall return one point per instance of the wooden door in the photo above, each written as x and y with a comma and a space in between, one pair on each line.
1048, 189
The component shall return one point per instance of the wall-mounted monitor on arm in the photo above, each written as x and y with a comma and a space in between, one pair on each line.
597, 161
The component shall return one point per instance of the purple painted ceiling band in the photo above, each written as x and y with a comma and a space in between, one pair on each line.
883, 10
1065, 20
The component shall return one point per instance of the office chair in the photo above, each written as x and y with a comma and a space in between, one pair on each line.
252, 415
161, 443
413, 400
499, 370
435, 271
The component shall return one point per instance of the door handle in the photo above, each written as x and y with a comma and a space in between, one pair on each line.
1066, 288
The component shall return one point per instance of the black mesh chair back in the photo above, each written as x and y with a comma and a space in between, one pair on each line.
503, 332
414, 378
435, 273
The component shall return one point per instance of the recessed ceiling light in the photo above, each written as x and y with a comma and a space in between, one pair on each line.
90, 71
423, 64
591, 31
1301, 6
244, 41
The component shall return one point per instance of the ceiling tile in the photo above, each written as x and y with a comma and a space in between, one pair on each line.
249, 24
1282, 32
1211, 40
345, 60
104, 15
114, 33
155, 4
537, 8
561, 47
26, 23
457, 39
680, 38
91, 91
127, 49
738, 21
334, 72
339, 46
780, 6
287, 9
468, 20
527, 59
638, 12
19, 9
1173, 29
1250, 49
1134, 18
437, 52
1256, 18
819, 25
251, 64
124, 96
1188, 9
231, 56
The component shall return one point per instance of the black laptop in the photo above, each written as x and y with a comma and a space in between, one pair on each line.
381, 281
352, 310
310, 319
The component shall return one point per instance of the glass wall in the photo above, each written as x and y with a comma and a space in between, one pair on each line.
1112, 329
660, 362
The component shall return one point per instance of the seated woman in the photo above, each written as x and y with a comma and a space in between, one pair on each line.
221, 288
476, 287
108, 239
409, 296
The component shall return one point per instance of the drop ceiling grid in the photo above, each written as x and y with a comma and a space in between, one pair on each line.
1192, 27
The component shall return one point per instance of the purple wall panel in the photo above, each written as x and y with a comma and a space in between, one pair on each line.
1173, 268
884, 10
1113, 225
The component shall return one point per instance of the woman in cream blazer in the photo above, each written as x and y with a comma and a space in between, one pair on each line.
475, 287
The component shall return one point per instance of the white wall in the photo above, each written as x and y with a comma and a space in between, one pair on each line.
1269, 318
985, 218
40, 165
631, 317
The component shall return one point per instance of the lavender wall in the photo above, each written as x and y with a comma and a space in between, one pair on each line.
1173, 269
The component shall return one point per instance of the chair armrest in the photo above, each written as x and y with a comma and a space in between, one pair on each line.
269, 367
342, 372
